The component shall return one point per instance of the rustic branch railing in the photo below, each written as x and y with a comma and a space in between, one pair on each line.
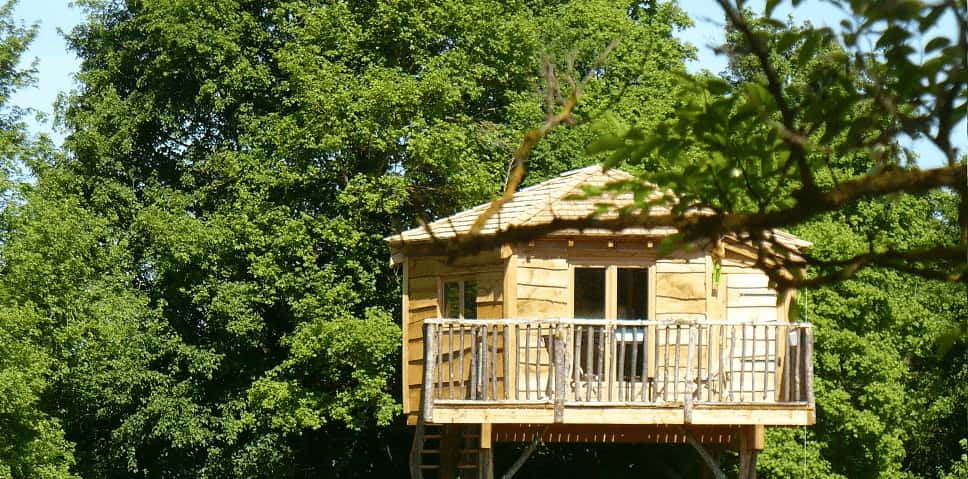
602, 362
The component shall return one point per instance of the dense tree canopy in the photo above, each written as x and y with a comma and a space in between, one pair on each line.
205, 257
195, 285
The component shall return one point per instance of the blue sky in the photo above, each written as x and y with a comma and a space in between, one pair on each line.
56, 66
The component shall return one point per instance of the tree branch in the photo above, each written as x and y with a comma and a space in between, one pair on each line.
531, 138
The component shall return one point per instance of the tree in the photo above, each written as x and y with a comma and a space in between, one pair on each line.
32, 443
762, 152
206, 257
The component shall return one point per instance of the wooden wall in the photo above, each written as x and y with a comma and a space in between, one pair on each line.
424, 277
746, 292
746, 296
680, 286
543, 287
680, 282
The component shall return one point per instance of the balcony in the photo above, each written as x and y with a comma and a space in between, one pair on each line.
591, 371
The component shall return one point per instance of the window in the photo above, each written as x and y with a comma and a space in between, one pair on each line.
611, 293
632, 297
627, 299
589, 303
460, 300
590, 293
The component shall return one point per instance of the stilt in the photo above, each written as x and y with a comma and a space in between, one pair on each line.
751, 440
716, 453
486, 456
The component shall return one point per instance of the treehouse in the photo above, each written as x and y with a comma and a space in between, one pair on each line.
591, 336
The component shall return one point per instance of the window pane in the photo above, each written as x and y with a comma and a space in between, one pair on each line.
590, 293
633, 293
470, 300
452, 300
590, 304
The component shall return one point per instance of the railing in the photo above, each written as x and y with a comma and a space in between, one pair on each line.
607, 362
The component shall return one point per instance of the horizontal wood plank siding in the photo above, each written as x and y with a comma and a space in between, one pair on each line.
423, 281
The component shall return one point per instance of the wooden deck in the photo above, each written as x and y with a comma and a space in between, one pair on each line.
589, 371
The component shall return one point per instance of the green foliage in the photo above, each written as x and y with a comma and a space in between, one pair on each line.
809, 121
804, 132
205, 258
32, 444
198, 287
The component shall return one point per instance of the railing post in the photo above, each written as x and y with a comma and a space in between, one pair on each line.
690, 374
430, 360
808, 363
561, 371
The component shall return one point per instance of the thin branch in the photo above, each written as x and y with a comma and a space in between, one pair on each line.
897, 260
774, 86
531, 138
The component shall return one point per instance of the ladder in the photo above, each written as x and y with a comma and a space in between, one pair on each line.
446, 451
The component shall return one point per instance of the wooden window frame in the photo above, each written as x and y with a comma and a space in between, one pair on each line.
442, 294
611, 286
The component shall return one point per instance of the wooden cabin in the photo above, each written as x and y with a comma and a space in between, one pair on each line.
590, 336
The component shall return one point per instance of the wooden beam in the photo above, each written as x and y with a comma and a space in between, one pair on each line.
486, 454
621, 413
404, 324
486, 435
615, 433
711, 463
750, 444
525, 455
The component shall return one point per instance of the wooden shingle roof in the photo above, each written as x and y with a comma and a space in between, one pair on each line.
546, 201
535, 205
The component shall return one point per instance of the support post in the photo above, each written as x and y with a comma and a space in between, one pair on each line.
525, 454
486, 455
751, 440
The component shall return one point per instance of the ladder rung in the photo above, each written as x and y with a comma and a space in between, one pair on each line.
467, 466
429, 466
431, 451
432, 436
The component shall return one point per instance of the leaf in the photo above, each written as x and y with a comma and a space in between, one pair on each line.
770, 6
717, 86
936, 43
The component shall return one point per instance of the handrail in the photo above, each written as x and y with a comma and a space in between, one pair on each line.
608, 322
676, 362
